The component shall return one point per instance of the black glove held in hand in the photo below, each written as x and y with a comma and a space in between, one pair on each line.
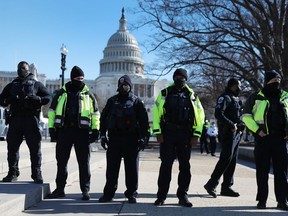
241, 126
53, 134
93, 136
141, 145
104, 142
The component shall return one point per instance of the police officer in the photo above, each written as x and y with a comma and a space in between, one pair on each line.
227, 112
178, 119
212, 133
126, 120
25, 96
265, 114
73, 119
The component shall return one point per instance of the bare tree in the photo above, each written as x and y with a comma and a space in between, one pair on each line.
219, 38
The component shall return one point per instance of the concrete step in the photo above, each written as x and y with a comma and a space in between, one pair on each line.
17, 196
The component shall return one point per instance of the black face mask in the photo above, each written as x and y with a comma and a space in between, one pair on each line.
77, 84
124, 89
22, 73
272, 89
236, 92
179, 83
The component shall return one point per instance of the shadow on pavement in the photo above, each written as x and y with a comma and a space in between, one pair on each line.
72, 204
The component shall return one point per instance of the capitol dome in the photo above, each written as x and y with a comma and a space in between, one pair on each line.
122, 56
122, 37
122, 53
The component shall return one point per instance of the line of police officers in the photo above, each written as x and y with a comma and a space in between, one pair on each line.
178, 119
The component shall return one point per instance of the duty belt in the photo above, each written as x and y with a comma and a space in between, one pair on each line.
119, 131
277, 133
70, 125
172, 126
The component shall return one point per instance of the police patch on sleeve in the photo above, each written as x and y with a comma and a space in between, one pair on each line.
220, 100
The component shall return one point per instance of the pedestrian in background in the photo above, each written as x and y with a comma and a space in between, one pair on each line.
204, 138
178, 118
265, 114
227, 112
24, 96
212, 133
125, 119
73, 120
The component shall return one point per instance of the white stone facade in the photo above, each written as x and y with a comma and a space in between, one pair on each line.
122, 56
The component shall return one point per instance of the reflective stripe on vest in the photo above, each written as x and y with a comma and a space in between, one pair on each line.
85, 109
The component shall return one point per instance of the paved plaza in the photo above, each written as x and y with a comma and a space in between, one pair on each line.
26, 198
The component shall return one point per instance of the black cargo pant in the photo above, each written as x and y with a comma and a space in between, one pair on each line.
66, 138
176, 145
204, 142
227, 161
213, 144
267, 148
28, 127
122, 146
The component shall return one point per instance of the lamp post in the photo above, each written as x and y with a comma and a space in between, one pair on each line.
64, 52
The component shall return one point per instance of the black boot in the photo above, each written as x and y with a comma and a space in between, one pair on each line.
104, 199
185, 202
85, 196
57, 193
283, 206
11, 177
37, 178
159, 202
211, 191
229, 192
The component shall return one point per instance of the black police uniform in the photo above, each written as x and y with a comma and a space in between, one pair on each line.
126, 120
227, 112
25, 96
73, 121
204, 139
71, 134
272, 146
177, 131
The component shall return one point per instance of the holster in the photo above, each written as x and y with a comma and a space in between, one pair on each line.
8, 116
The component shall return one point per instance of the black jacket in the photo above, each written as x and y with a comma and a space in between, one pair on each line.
228, 110
117, 102
19, 95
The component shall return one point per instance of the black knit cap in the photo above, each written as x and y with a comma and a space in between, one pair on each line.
124, 79
76, 72
232, 82
180, 72
270, 75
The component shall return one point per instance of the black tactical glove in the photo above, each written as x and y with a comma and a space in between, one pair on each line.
93, 135
241, 126
104, 142
53, 134
141, 144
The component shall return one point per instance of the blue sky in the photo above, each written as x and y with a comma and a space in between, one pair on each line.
34, 31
